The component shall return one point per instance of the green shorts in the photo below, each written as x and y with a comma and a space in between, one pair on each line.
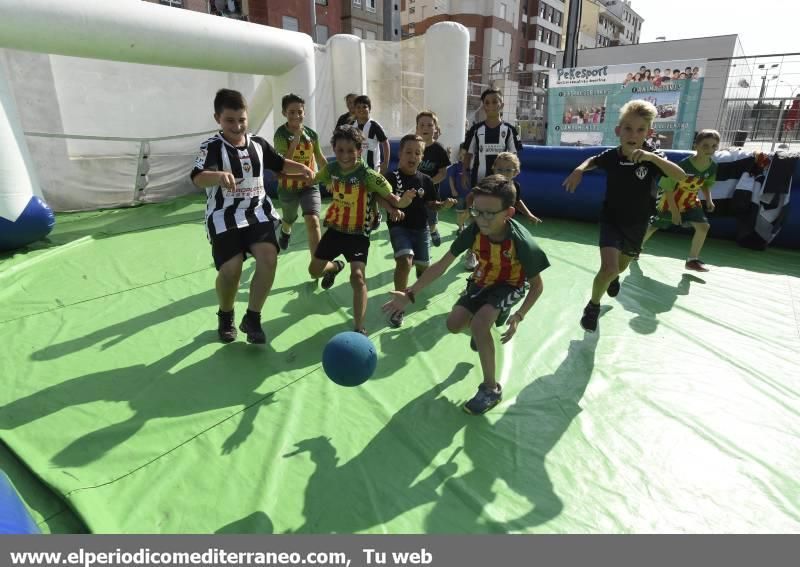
664, 219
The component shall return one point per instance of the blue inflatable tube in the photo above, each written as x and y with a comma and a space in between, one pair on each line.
14, 517
544, 168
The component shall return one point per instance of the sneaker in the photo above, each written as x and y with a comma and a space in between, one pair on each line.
362, 330
696, 265
590, 314
470, 261
472, 344
283, 240
436, 238
396, 320
613, 288
329, 277
484, 400
251, 325
225, 327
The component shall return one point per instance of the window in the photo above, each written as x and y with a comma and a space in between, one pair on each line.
357, 3
501, 38
547, 35
501, 11
411, 10
556, 40
371, 35
358, 32
371, 5
290, 23
175, 3
472, 61
556, 17
522, 54
541, 9
473, 32
322, 33
540, 34
321, 2
548, 12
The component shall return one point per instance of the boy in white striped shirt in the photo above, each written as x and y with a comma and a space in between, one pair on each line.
240, 217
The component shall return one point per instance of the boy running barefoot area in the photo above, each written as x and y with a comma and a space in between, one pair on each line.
300, 143
354, 187
408, 229
632, 169
678, 203
240, 218
509, 265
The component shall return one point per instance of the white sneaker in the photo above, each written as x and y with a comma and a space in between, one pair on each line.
470, 261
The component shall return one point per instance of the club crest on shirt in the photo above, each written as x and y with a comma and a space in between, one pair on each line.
246, 166
507, 254
353, 180
641, 172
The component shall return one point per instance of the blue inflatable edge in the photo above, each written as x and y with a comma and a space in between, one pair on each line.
545, 167
14, 516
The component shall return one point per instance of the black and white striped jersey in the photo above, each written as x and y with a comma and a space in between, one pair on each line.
373, 136
484, 143
248, 204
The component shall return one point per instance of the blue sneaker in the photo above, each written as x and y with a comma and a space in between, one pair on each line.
484, 400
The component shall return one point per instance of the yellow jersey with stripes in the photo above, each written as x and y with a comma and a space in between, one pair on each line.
353, 192
305, 152
511, 261
686, 191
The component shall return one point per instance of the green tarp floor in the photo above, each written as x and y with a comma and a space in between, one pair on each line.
120, 411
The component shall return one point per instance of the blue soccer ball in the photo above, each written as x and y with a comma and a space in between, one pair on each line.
349, 359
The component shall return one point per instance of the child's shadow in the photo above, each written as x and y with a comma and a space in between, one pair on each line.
646, 297
515, 449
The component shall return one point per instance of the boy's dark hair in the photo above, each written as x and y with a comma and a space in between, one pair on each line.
290, 99
491, 91
363, 99
350, 95
410, 138
703, 134
497, 186
230, 99
656, 70
347, 133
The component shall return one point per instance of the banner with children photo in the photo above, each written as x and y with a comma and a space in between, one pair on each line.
583, 102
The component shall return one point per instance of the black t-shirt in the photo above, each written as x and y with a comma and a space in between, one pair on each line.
631, 188
416, 214
434, 159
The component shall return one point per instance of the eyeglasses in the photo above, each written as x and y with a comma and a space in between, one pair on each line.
488, 215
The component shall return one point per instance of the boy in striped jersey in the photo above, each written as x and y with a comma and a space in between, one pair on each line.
509, 267
484, 142
301, 144
377, 143
354, 187
240, 218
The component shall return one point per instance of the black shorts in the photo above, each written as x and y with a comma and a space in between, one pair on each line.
625, 238
354, 247
228, 244
501, 296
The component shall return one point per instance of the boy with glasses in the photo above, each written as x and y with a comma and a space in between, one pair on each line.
509, 268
